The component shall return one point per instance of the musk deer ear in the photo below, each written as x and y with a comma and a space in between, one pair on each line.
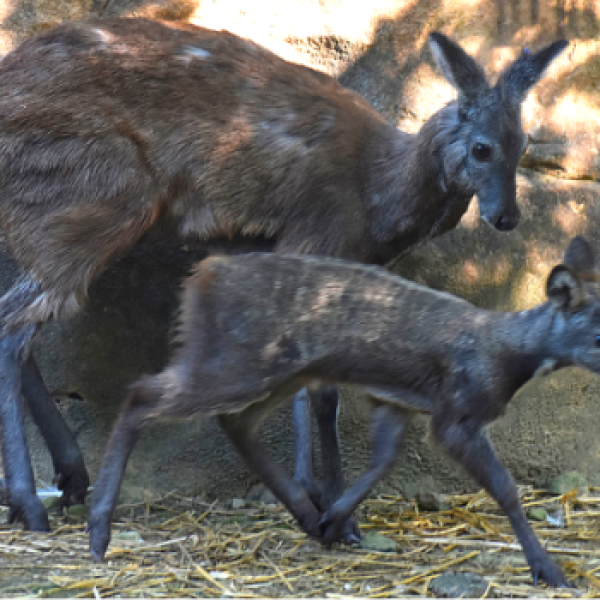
519, 77
564, 288
462, 71
580, 257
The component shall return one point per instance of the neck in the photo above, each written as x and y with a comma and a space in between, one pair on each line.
416, 192
525, 341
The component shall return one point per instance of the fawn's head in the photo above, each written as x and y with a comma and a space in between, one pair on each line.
573, 287
484, 140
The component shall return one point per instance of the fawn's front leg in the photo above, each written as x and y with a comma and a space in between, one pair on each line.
465, 443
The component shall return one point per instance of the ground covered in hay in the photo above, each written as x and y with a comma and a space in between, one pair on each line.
185, 547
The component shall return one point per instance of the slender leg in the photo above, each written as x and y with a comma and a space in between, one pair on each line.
134, 416
303, 466
242, 430
471, 448
325, 403
24, 504
388, 425
71, 475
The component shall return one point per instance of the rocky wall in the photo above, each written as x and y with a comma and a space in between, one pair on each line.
379, 49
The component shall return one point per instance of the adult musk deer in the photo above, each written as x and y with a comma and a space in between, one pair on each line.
256, 328
109, 126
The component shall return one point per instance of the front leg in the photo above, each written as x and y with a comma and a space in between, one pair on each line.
464, 441
24, 504
388, 426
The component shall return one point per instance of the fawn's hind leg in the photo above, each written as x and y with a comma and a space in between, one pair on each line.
141, 406
242, 430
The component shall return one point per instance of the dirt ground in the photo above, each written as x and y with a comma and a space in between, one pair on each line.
187, 547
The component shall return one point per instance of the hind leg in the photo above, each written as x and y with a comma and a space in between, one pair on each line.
242, 430
71, 475
24, 504
141, 405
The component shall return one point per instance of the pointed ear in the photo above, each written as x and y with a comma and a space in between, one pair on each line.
564, 288
462, 71
519, 77
580, 257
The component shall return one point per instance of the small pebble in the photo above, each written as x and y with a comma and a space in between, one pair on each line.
372, 540
77, 510
537, 514
127, 536
432, 501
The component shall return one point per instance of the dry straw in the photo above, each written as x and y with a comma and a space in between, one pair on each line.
185, 547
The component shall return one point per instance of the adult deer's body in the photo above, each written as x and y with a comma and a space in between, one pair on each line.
256, 328
107, 127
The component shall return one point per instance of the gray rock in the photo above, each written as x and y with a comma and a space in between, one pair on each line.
77, 510
128, 536
565, 482
537, 513
432, 501
371, 540
259, 493
459, 585
52, 502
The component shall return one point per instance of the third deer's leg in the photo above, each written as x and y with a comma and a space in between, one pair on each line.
325, 402
388, 426
242, 430
71, 475
135, 415
303, 446
24, 504
471, 448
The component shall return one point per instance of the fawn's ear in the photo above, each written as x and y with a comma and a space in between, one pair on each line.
580, 257
462, 71
564, 288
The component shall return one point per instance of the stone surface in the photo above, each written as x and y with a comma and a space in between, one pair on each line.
371, 540
565, 482
377, 48
459, 585
427, 500
537, 514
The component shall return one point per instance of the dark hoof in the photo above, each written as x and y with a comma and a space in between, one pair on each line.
337, 529
74, 485
31, 513
351, 532
99, 540
550, 573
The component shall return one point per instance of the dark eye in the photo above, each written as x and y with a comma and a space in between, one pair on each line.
482, 152
598, 341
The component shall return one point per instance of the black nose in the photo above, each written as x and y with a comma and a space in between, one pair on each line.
506, 222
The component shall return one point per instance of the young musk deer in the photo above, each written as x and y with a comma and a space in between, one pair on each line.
256, 328
109, 126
